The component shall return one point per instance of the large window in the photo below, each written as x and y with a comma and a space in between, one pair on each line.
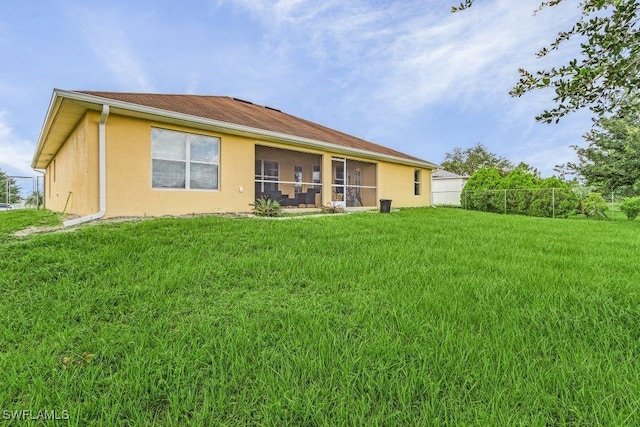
184, 160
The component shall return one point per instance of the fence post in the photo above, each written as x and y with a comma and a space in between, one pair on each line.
505, 202
553, 202
613, 215
36, 192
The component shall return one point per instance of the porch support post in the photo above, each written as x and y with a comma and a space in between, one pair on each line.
326, 178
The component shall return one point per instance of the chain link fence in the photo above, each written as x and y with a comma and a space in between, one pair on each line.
613, 202
541, 202
21, 192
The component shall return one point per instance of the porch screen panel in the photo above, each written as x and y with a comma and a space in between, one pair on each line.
266, 175
361, 184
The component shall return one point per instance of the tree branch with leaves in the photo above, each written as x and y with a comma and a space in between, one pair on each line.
606, 76
611, 161
469, 160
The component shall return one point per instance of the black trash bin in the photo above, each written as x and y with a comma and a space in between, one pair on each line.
385, 205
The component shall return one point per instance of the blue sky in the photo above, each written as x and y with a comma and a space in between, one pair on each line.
406, 74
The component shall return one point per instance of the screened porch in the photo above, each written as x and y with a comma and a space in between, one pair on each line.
292, 178
295, 179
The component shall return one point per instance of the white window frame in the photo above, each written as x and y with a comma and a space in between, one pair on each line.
187, 161
417, 182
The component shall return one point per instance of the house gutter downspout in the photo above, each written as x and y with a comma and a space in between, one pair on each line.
102, 171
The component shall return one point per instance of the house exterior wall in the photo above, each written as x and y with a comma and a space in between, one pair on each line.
71, 179
395, 182
129, 190
129, 169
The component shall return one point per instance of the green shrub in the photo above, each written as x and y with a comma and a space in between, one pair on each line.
266, 207
519, 201
555, 190
519, 179
520, 192
581, 194
483, 200
631, 207
594, 206
484, 179
331, 208
475, 198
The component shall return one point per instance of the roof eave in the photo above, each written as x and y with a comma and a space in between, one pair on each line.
216, 124
54, 105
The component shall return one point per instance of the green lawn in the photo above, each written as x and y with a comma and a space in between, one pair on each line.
419, 317
11, 221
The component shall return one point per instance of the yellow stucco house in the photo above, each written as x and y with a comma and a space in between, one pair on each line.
111, 154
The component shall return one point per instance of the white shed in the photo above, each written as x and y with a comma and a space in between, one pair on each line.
446, 187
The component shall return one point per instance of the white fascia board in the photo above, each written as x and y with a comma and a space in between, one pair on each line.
234, 128
54, 104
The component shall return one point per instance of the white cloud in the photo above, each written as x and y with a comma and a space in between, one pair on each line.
410, 55
546, 157
15, 152
109, 42
550, 145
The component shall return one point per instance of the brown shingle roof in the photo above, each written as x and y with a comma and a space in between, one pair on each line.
244, 113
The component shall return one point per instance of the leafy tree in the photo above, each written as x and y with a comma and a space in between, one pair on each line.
606, 76
472, 159
611, 161
529, 169
35, 199
14, 189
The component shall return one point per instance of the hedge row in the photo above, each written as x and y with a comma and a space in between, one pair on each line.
519, 192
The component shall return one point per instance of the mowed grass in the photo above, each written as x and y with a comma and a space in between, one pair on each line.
14, 220
419, 317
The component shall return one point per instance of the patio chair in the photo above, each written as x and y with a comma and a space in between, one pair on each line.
288, 201
301, 200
